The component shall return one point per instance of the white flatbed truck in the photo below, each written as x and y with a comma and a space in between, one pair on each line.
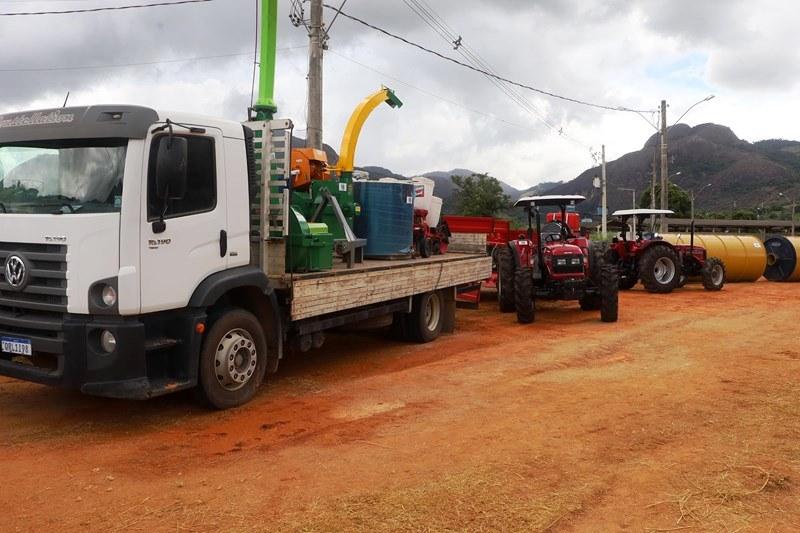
138, 257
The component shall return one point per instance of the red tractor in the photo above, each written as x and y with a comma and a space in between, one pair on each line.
553, 263
660, 265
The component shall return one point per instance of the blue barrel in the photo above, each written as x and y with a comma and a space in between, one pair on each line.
387, 217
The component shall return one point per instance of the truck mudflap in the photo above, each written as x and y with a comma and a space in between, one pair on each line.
153, 355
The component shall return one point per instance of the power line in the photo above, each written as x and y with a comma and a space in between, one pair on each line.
108, 8
139, 64
424, 91
485, 72
443, 29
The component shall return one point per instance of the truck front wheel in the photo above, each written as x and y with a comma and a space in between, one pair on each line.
233, 359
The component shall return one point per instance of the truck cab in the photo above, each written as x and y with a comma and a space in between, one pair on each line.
99, 270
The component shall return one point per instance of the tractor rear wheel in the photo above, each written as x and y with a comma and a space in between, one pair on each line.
660, 269
713, 274
523, 296
609, 294
505, 279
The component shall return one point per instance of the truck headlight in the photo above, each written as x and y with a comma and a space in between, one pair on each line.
109, 296
108, 342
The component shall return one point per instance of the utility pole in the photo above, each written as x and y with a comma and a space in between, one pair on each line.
315, 49
604, 200
653, 184
664, 170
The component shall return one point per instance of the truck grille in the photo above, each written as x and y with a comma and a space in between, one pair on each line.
37, 311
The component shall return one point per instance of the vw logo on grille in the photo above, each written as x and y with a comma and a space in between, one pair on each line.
16, 272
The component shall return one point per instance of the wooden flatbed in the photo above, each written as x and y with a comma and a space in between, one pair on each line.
375, 281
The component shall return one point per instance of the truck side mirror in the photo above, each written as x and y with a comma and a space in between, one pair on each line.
171, 163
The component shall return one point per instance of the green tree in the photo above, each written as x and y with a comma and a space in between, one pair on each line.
679, 200
479, 195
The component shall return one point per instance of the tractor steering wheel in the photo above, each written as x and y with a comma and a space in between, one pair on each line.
552, 237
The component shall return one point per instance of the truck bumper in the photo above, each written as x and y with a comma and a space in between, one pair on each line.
154, 355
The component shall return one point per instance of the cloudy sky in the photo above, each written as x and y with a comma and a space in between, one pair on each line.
629, 53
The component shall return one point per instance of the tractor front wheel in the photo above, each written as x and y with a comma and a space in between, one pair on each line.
660, 269
713, 274
523, 296
628, 282
505, 279
609, 294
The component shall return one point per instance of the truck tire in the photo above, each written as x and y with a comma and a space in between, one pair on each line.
609, 294
233, 359
660, 269
505, 279
523, 296
425, 321
713, 274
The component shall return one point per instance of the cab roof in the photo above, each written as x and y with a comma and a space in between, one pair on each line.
636, 212
550, 200
100, 121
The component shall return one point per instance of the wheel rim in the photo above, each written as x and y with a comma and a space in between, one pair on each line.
236, 359
433, 310
664, 270
717, 274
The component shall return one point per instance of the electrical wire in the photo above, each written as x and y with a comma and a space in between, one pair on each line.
107, 8
444, 30
428, 93
483, 71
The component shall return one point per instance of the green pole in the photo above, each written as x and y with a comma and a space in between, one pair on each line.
265, 105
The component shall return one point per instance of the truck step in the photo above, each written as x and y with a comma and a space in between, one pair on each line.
160, 343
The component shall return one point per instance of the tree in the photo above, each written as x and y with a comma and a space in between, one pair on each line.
479, 195
679, 200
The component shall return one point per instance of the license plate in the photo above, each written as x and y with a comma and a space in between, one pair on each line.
16, 346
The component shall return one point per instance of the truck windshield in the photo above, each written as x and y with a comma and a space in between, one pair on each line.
62, 177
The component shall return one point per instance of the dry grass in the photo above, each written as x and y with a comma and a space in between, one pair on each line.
484, 499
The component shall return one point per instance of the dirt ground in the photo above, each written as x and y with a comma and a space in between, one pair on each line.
685, 415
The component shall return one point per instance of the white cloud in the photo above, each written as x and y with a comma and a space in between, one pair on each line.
616, 52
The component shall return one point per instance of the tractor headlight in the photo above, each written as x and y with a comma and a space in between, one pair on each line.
561, 262
576, 261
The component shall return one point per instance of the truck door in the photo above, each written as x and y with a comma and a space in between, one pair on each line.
176, 260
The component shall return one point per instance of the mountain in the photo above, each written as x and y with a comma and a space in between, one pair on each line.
740, 173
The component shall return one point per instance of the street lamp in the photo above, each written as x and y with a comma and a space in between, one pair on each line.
633, 195
706, 99
794, 206
692, 196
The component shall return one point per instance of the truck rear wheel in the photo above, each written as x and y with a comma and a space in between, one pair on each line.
233, 359
660, 269
425, 321
609, 294
713, 274
505, 279
523, 296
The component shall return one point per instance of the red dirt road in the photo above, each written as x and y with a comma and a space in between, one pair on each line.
684, 415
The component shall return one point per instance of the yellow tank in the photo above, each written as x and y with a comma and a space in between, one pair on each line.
744, 255
782, 258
